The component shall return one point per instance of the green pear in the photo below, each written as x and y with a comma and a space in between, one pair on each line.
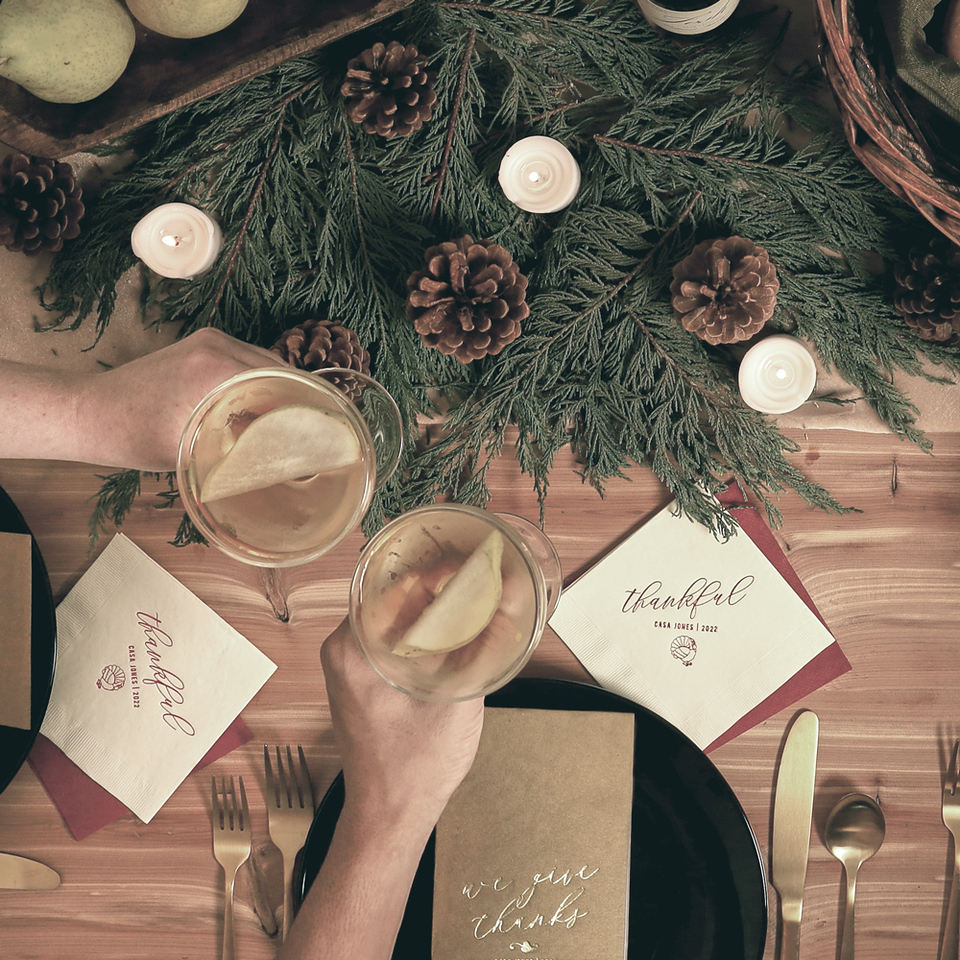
65, 51
186, 18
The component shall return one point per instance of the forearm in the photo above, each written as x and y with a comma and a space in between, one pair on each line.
356, 903
38, 414
129, 416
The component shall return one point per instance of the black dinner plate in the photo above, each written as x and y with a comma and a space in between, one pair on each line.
697, 885
15, 744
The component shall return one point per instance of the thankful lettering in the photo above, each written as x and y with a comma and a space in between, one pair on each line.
168, 684
700, 593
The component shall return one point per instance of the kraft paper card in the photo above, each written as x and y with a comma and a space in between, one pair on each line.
148, 678
15, 614
702, 632
533, 850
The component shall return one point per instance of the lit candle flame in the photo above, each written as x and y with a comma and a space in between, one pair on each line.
171, 240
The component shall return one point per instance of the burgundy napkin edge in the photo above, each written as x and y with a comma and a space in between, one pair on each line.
86, 806
827, 665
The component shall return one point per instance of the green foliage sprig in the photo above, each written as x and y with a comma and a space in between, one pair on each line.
677, 141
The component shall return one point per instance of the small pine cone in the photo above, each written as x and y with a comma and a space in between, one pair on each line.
40, 204
725, 290
320, 344
389, 90
928, 290
469, 300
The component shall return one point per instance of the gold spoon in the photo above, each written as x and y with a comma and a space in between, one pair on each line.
853, 834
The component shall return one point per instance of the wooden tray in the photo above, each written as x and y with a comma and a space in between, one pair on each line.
165, 73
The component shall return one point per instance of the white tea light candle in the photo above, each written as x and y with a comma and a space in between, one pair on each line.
539, 175
177, 240
777, 375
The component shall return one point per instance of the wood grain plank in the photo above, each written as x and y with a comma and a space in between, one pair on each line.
885, 580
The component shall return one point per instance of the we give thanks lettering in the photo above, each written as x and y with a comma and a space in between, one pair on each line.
514, 913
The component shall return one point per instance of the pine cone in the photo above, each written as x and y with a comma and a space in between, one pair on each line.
469, 300
39, 204
928, 289
320, 344
389, 90
725, 290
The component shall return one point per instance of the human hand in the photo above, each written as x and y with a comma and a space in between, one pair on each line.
400, 755
133, 415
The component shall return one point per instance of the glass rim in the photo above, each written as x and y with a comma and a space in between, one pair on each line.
537, 579
383, 473
188, 436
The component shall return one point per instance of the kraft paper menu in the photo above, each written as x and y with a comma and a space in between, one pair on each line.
698, 630
148, 678
15, 614
533, 849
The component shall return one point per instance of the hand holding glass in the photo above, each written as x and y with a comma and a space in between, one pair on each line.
448, 602
277, 466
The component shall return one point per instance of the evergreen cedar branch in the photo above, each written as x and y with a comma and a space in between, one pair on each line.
678, 141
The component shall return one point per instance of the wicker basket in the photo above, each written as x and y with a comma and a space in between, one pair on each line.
892, 137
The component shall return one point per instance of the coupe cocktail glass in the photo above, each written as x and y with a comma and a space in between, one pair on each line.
285, 520
448, 602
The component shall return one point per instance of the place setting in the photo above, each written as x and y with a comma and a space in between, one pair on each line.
689, 645
449, 602
605, 371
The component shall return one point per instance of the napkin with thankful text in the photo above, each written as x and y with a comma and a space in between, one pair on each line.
148, 678
705, 633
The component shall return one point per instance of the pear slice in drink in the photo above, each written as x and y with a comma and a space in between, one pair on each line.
464, 606
283, 444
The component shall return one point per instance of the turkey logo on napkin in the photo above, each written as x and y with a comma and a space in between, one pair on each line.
148, 678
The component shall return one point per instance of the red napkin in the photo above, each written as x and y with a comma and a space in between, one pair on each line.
84, 805
824, 667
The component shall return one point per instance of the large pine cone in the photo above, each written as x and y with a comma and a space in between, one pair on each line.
320, 344
469, 300
40, 204
725, 290
389, 90
928, 290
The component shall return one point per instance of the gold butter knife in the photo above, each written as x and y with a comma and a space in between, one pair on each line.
19, 873
792, 813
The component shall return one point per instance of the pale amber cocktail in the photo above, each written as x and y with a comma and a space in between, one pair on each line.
448, 602
276, 467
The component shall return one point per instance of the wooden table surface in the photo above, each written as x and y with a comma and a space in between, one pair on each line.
885, 580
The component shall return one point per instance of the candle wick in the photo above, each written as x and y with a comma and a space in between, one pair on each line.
170, 240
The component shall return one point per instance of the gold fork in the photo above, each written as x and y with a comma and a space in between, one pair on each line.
951, 820
231, 847
289, 814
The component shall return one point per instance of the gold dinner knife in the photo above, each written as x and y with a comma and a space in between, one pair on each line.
792, 812
19, 873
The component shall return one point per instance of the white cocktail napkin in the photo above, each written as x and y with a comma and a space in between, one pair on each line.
697, 630
148, 677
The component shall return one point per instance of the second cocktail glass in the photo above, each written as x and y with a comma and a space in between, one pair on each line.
448, 602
